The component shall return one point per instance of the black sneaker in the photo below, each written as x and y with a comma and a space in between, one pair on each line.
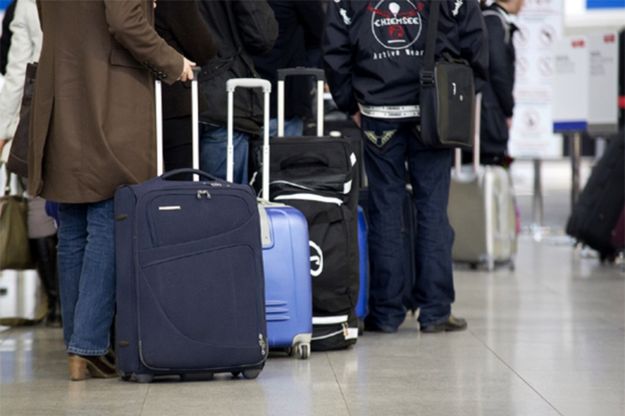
451, 324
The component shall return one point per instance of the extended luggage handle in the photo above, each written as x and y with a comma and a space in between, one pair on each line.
195, 124
231, 86
476, 140
301, 71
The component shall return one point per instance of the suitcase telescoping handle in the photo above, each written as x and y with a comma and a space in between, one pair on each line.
231, 86
476, 140
195, 120
319, 75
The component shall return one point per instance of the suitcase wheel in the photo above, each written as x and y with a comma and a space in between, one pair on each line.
143, 378
125, 377
251, 373
302, 351
235, 374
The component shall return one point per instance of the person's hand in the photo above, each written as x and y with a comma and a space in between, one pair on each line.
356, 118
187, 70
509, 122
2, 143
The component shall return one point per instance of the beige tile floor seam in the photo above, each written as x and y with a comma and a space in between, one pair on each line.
516, 373
338, 383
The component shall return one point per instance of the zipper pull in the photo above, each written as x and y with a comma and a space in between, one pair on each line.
203, 193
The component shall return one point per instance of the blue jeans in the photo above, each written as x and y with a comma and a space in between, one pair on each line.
213, 152
388, 145
292, 127
86, 255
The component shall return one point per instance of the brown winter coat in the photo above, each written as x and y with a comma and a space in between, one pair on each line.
92, 126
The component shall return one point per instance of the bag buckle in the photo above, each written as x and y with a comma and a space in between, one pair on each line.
426, 77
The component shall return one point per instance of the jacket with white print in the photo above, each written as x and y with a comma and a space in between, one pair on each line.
374, 50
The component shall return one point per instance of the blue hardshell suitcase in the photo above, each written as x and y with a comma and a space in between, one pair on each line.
288, 291
286, 252
362, 307
189, 277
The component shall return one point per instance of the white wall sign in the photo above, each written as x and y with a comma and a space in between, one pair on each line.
603, 94
571, 84
540, 24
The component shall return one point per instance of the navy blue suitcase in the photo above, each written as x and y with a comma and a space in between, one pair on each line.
190, 287
286, 255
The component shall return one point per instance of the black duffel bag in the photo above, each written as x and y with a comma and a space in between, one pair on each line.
332, 227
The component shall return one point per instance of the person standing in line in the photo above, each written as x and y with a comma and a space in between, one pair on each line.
497, 94
300, 34
92, 130
24, 48
241, 28
373, 54
179, 22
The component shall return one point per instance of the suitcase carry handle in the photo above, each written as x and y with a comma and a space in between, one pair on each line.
304, 159
231, 86
195, 120
301, 71
197, 172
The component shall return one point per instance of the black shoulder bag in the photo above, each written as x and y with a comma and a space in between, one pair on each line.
447, 95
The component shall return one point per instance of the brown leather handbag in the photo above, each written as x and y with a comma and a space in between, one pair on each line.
18, 157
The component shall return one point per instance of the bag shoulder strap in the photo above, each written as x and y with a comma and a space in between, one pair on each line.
502, 19
427, 73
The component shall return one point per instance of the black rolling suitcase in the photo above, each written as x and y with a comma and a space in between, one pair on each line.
190, 286
599, 206
318, 175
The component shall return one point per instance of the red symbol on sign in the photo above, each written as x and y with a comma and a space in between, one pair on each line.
609, 38
579, 43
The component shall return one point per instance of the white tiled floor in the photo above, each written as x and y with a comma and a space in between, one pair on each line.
546, 339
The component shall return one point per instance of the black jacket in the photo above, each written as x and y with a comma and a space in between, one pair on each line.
300, 29
373, 50
497, 98
5, 39
242, 28
181, 25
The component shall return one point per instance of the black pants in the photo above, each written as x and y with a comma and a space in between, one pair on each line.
388, 146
